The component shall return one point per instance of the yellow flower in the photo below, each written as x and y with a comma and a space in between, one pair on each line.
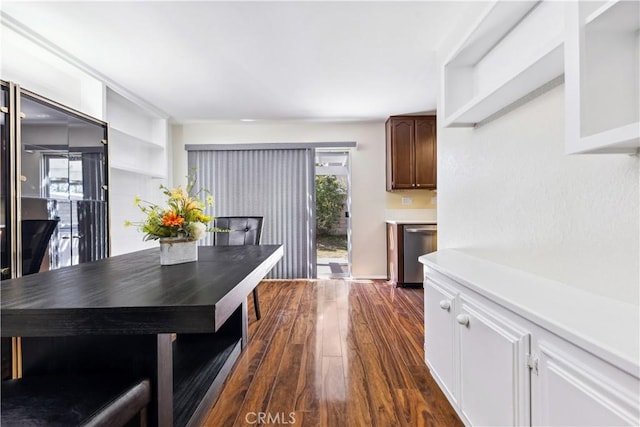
137, 200
178, 193
127, 223
191, 204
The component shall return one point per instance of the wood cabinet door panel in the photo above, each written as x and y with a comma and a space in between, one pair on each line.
402, 137
425, 153
411, 152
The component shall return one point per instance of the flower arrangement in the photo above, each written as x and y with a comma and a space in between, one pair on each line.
182, 217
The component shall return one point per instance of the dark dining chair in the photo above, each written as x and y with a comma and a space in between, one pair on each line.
36, 234
75, 400
242, 230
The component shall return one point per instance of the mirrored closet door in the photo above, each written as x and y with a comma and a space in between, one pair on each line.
60, 198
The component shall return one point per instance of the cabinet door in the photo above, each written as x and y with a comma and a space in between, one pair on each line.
425, 153
494, 377
573, 388
439, 309
402, 132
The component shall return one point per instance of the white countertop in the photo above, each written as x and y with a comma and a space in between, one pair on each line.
411, 216
406, 221
608, 328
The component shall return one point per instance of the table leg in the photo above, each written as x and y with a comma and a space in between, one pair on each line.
245, 324
165, 380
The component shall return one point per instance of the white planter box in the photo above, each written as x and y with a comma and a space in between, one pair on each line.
178, 251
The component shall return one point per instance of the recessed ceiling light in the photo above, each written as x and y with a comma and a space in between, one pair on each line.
247, 120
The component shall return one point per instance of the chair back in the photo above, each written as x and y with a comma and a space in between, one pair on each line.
243, 230
36, 234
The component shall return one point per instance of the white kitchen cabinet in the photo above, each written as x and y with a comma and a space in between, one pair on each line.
494, 378
511, 348
477, 355
573, 388
439, 318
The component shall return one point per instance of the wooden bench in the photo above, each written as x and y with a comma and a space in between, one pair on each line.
74, 400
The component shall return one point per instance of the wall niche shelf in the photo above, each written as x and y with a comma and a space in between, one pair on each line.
602, 77
137, 137
137, 170
127, 138
515, 49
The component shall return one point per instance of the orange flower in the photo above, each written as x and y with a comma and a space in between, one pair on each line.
171, 219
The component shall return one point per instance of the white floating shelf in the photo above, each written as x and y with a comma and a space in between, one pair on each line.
515, 49
138, 171
120, 136
603, 78
533, 75
615, 16
620, 140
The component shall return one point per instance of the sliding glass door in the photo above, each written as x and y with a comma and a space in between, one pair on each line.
276, 184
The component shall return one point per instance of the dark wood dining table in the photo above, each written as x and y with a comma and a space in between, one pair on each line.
182, 326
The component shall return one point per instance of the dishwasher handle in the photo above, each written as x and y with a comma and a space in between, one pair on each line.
422, 229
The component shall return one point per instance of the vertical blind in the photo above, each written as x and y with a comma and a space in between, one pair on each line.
277, 184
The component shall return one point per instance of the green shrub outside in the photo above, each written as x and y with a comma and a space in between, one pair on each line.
330, 199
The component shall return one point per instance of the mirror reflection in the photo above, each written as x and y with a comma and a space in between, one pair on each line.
62, 178
5, 212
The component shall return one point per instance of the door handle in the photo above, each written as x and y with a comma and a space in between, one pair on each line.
445, 305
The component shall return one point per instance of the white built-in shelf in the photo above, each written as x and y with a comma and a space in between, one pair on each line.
616, 16
140, 171
514, 50
124, 138
137, 137
603, 77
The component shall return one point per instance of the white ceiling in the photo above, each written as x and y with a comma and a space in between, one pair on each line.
263, 60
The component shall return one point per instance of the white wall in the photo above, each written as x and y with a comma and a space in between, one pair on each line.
123, 188
367, 171
508, 193
37, 69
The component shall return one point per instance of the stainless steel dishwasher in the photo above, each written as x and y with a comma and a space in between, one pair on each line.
418, 240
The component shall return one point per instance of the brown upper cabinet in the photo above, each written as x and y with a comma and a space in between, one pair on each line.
411, 152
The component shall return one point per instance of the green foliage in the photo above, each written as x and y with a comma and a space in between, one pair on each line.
330, 199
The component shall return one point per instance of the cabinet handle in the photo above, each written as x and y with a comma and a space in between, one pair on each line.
445, 305
463, 319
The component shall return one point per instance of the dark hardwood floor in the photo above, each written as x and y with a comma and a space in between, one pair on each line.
334, 353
